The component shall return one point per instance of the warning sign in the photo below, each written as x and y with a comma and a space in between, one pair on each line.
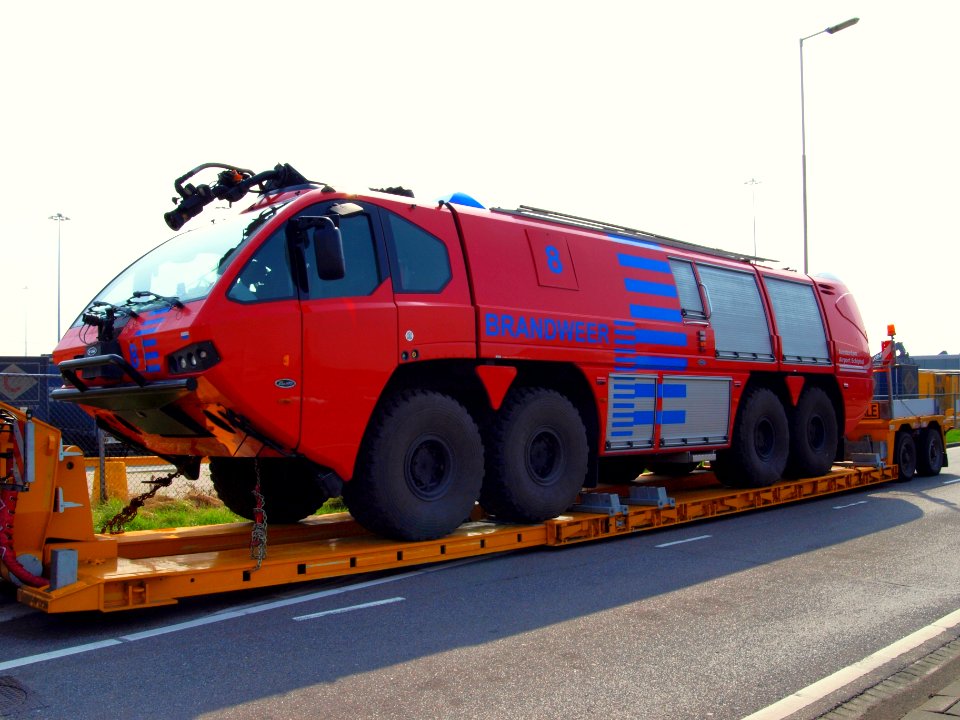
14, 383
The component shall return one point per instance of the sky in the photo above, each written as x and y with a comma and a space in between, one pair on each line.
650, 114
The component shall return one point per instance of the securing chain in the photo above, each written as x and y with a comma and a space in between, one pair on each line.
258, 536
114, 525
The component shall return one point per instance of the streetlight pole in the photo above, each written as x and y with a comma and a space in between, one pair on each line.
803, 129
753, 182
60, 218
26, 304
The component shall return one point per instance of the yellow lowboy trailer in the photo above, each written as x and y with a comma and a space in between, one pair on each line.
48, 547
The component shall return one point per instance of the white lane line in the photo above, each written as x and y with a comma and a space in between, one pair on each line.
54, 654
951, 482
681, 542
841, 507
820, 689
227, 615
351, 608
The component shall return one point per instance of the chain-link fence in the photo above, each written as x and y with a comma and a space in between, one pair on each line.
26, 382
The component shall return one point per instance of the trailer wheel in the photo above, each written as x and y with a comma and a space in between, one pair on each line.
292, 488
905, 455
761, 441
930, 452
813, 435
536, 457
420, 469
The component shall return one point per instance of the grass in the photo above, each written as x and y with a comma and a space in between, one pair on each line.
953, 435
167, 513
195, 509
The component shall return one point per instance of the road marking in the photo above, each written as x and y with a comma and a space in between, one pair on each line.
54, 654
841, 507
951, 482
227, 615
820, 689
362, 606
681, 542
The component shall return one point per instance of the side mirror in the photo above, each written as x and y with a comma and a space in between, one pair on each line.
327, 243
328, 250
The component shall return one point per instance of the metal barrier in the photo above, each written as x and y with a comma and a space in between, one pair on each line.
26, 382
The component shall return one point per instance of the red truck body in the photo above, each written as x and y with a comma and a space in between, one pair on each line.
556, 348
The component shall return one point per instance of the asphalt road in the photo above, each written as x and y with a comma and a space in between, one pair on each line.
711, 620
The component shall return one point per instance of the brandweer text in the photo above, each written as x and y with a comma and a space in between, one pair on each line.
530, 328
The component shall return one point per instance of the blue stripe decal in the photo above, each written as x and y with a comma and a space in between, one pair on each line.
655, 337
633, 241
153, 368
151, 355
642, 362
150, 343
673, 391
627, 392
650, 288
642, 263
673, 417
646, 312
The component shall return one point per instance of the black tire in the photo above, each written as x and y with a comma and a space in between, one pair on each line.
620, 469
672, 469
758, 454
905, 455
813, 435
930, 452
420, 468
536, 457
292, 488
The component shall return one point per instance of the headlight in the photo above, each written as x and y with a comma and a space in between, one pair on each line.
193, 358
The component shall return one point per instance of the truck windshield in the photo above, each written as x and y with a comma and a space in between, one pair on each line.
185, 267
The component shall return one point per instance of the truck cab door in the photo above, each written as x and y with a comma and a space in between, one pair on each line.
349, 342
259, 329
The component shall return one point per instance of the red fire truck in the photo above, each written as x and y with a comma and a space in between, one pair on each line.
418, 357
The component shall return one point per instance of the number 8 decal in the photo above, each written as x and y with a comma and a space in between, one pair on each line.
553, 260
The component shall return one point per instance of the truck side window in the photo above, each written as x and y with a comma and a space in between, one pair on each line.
266, 276
687, 288
737, 314
418, 261
798, 321
360, 260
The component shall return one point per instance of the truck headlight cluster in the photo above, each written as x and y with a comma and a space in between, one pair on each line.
193, 358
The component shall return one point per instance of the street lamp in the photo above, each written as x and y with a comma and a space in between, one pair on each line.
753, 182
803, 130
26, 305
60, 218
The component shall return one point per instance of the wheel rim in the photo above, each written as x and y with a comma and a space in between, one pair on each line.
906, 459
428, 467
765, 439
544, 457
816, 433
